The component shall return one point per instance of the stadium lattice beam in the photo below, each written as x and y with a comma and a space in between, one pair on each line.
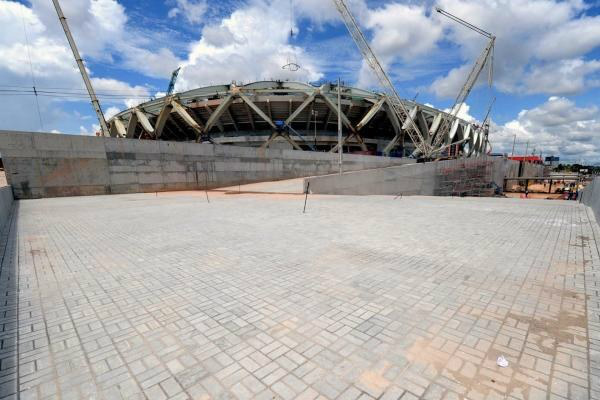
210, 111
371, 113
220, 107
162, 119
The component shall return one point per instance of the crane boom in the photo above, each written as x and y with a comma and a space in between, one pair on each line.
172, 81
463, 22
485, 127
398, 107
487, 55
84, 75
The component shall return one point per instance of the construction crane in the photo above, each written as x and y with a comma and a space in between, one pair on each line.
421, 145
485, 127
172, 82
486, 57
84, 75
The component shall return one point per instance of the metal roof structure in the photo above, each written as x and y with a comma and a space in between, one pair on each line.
301, 115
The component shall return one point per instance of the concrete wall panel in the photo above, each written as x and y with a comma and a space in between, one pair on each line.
473, 176
6, 204
40, 164
590, 196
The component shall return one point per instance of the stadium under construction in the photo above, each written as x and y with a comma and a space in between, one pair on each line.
227, 243
283, 114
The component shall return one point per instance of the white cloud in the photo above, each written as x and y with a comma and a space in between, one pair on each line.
10, 14
99, 28
400, 32
449, 85
111, 112
113, 87
250, 44
192, 10
572, 39
48, 58
556, 127
89, 131
562, 77
463, 112
103, 31
403, 31
96, 25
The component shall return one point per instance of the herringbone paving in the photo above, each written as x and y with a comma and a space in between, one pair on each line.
169, 296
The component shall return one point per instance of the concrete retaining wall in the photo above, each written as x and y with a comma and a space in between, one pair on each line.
6, 202
516, 169
476, 176
590, 196
49, 165
531, 169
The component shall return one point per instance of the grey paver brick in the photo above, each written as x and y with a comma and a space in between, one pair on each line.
248, 297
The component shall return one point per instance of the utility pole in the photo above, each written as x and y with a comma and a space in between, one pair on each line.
315, 113
512, 153
527, 148
86, 78
339, 113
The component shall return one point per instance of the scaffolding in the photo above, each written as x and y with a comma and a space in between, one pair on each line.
465, 178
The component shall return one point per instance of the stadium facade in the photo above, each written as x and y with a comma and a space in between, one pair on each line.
292, 115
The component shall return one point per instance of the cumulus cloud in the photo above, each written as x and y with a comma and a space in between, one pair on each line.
449, 85
570, 40
562, 77
400, 32
403, 31
111, 112
250, 44
463, 112
138, 94
556, 127
35, 34
191, 10
103, 32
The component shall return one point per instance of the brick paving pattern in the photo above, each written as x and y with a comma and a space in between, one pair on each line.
169, 296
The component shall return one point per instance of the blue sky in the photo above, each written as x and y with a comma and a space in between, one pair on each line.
547, 58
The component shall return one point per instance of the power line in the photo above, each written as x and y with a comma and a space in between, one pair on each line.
124, 91
50, 93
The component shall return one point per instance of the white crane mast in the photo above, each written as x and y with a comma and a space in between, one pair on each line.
398, 107
86, 78
487, 55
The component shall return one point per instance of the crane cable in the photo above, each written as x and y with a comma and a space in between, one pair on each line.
291, 19
37, 102
292, 60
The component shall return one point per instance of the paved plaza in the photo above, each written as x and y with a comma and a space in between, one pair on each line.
170, 296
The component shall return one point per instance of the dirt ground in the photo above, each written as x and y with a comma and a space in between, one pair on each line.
546, 196
536, 187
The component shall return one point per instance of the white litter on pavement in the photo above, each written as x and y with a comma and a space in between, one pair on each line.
502, 362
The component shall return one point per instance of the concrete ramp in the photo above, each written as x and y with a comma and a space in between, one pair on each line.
286, 186
464, 177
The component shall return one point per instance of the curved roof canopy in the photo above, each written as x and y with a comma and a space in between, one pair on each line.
259, 112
